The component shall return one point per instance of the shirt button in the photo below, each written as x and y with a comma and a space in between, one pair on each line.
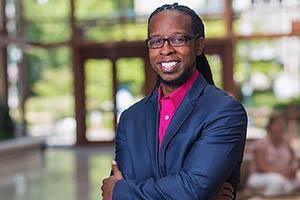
167, 117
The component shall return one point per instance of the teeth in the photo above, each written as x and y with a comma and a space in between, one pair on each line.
169, 64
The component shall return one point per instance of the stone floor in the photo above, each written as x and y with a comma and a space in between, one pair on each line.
243, 196
69, 174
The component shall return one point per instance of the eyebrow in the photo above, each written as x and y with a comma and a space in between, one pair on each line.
175, 33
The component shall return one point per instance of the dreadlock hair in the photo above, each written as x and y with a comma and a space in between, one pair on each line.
202, 64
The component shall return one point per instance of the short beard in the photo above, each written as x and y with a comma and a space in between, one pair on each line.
179, 81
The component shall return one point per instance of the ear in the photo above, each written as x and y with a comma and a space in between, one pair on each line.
199, 45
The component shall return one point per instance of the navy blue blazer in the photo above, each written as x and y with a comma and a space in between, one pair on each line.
202, 148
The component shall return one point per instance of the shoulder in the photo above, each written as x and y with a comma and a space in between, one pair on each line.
134, 111
217, 100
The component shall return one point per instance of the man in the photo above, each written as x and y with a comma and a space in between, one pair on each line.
186, 139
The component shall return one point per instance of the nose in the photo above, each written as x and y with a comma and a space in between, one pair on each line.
166, 49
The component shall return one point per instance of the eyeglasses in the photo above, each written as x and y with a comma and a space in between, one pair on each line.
175, 41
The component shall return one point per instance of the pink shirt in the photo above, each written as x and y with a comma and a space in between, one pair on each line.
168, 104
280, 156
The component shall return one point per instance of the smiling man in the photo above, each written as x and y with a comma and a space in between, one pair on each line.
186, 139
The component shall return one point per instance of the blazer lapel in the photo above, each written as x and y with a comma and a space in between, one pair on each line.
184, 110
152, 130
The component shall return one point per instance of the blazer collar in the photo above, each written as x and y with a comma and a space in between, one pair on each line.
193, 93
152, 116
184, 110
151, 129
197, 88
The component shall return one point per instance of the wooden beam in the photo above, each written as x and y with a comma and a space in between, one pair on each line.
265, 36
25, 44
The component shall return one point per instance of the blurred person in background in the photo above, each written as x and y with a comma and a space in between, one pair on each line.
275, 164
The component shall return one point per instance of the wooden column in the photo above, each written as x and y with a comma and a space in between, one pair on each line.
79, 80
228, 61
3, 58
114, 91
228, 17
150, 76
227, 73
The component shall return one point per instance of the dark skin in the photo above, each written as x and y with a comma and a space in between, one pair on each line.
174, 65
166, 24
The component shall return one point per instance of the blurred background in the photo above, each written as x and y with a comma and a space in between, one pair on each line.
68, 68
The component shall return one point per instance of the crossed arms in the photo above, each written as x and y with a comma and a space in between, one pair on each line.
210, 161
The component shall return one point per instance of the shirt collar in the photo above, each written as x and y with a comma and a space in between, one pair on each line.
177, 95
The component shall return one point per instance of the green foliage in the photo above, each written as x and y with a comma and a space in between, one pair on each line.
47, 23
53, 9
138, 31
34, 32
39, 60
214, 28
265, 98
98, 75
216, 68
55, 106
283, 105
130, 71
48, 32
35, 69
246, 66
54, 82
119, 32
95, 8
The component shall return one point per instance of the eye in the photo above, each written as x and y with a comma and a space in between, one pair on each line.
155, 41
178, 39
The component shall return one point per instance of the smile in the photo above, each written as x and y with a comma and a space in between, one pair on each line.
168, 66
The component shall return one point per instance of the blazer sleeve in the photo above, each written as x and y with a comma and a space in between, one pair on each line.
122, 151
210, 161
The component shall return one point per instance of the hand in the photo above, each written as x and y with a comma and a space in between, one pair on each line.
225, 193
109, 183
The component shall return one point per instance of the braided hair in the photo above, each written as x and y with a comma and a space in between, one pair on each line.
202, 64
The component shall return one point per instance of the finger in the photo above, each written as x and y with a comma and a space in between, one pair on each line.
114, 167
226, 193
227, 197
227, 186
104, 181
116, 171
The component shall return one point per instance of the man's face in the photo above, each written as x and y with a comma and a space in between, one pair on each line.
173, 64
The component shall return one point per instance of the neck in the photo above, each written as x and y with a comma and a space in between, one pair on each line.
275, 140
166, 89
169, 86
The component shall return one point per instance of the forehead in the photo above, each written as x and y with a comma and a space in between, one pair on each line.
168, 22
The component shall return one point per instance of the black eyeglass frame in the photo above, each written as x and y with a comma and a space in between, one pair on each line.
187, 39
